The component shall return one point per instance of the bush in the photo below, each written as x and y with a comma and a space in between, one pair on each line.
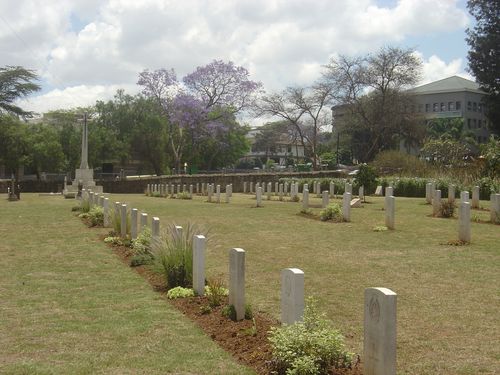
174, 256
85, 205
183, 195
446, 209
229, 312
96, 216
141, 260
366, 177
180, 292
308, 347
215, 291
142, 244
331, 212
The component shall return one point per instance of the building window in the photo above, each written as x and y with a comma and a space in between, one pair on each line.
443, 107
479, 107
435, 107
474, 107
427, 107
468, 123
474, 124
420, 108
458, 105
289, 149
479, 125
451, 106
469, 106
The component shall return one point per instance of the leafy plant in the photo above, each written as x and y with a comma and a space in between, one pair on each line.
332, 212
308, 347
183, 195
174, 255
85, 205
446, 209
76, 208
306, 211
180, 292
96, 216
141, 259
367, 177
295, 198
142, 244
380, 228
215, 291
115, 241
248, 311
229, 312
205, 310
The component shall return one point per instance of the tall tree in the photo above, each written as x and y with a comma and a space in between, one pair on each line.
221, 84
484, 54
306, 109
16, 82
370, 93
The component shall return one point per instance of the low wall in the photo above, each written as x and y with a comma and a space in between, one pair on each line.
139, 185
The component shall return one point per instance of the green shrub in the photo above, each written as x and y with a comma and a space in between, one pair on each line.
85, 205
331, 212
205, 310
76, 208
366, 177
180, 292
306, 211
308, 347
96, 216
142, 244
215, 291
141, 260
295, 198
229, 312
446, 209
174, 256
183, 195
248, 312
115, 241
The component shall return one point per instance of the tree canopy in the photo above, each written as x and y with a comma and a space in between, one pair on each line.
16, 82
484, 54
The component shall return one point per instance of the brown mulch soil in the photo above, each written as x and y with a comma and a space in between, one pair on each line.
245, 340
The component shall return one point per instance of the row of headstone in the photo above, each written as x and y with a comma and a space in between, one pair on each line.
164, 190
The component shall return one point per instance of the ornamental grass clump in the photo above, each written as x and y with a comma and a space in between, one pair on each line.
332, 212
446, 209
96, 217
308, 347
174, 255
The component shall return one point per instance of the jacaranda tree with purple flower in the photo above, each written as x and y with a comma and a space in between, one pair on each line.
201, 115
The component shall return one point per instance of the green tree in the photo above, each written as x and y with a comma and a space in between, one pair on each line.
13, 143
44, 153
491, 154
484, 54
382, 118
16, 82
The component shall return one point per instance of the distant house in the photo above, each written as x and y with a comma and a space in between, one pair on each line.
454, 97
283, 149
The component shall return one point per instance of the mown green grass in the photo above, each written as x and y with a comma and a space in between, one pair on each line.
68, 305
448, 296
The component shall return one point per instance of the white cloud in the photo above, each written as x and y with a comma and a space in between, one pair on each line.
72, 97
434, 69
94, 43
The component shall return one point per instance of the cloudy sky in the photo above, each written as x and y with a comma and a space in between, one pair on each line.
85, 50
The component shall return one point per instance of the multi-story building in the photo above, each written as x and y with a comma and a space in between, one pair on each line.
454, 97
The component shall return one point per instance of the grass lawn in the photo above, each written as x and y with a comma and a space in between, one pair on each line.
68, 305
448, 296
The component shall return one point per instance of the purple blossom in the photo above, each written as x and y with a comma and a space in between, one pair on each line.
220, 84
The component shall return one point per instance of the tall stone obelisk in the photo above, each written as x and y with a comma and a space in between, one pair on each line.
84, 175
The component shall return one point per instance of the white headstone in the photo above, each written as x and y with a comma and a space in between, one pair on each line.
346, 207
428, 192
390, 203
217, 194
155, 232
237, 281
292, 295
106, 212
475, 197
361, 192
378, 190
332, 189
258, 196
244, 187
305, 199
389, 191
436, 203
325, 199
451, 193
380, 332
144, 221
495, 208
123, 220
464, 232
133, 223
199, 246
269, 188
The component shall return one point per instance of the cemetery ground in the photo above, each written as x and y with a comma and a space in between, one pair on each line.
70, 306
